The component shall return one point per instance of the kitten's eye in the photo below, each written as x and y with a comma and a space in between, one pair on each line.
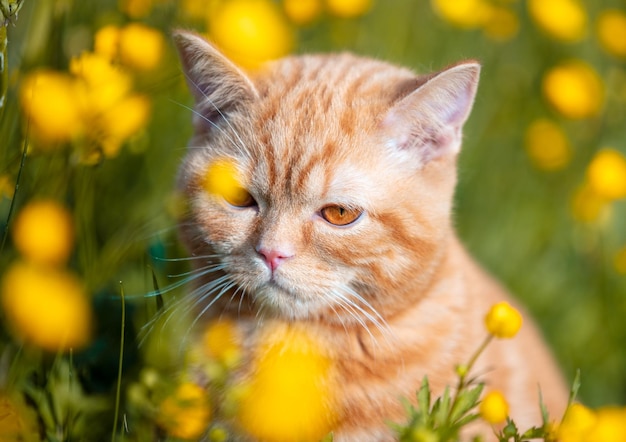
239, 197
340, 216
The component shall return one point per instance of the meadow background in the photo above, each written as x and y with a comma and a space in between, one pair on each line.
95, 118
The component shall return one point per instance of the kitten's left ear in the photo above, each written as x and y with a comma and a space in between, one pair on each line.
430, 118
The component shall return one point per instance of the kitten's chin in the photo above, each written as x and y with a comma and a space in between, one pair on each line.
283, 302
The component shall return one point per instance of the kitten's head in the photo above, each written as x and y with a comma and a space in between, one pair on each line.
349, 168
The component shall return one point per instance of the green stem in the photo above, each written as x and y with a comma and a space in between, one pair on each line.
119, 369
17, 186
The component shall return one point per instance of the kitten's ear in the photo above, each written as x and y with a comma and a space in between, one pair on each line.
430, 118
216, 83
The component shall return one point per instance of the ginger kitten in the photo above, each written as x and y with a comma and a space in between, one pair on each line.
349, 170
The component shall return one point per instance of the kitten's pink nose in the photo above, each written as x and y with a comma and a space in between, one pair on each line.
274, 257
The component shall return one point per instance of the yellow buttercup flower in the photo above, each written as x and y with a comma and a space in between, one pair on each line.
547, 145
222, 342
576, 424
186, 413
620, 261
302, 12
222, 179
46, 307
122, 120
251, 32
503, 321
607, 174
502, 24
18, 422
106, 41
564, 20
609, 426
494, 407
574, 89
141, 46
290, 393
611, 29
43, 232
588, 206
136, 8
348, 8
463, 13
49, 100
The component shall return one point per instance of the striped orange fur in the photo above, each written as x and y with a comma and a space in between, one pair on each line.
393, 293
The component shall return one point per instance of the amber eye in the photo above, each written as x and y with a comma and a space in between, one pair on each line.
239, 197
340, 216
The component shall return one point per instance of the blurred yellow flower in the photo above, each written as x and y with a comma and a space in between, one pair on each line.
136, 8
494, 407
46, 307
18, 422
606, 174
588, 206
547, 145
348, 8
49, 100
463, 13
7, 186
43, 232
574, 89
251, 32
503, 320
576, 424
502, 24
123, 120
222, 342
620, 261
106, 41
186, 413
611, 29
141, 47
302, 12
222, 179
609, 426
565, 20
290, 394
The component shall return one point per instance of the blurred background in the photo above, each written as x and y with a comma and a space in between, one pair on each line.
95, 118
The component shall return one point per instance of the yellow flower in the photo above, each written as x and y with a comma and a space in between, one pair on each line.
348, 8
106, 41
574, 89
290, 394
576, 424
186, 413
547, 145
494, 407
222, 342
620, 261
7, 186
123, 120
49, 100
46, 307
503, 321
251, 32
18, 422
302, 12
607, 174
564, 20
43, 232
136, 8
222, 179
610, 425
611, 28
502, 24
588, 206
141, 47
463, 13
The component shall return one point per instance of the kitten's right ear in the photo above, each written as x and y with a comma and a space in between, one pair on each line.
216, 83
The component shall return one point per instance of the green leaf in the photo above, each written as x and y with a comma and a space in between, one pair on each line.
441, 408
575, 387
465, 401
423, 396
544, 410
